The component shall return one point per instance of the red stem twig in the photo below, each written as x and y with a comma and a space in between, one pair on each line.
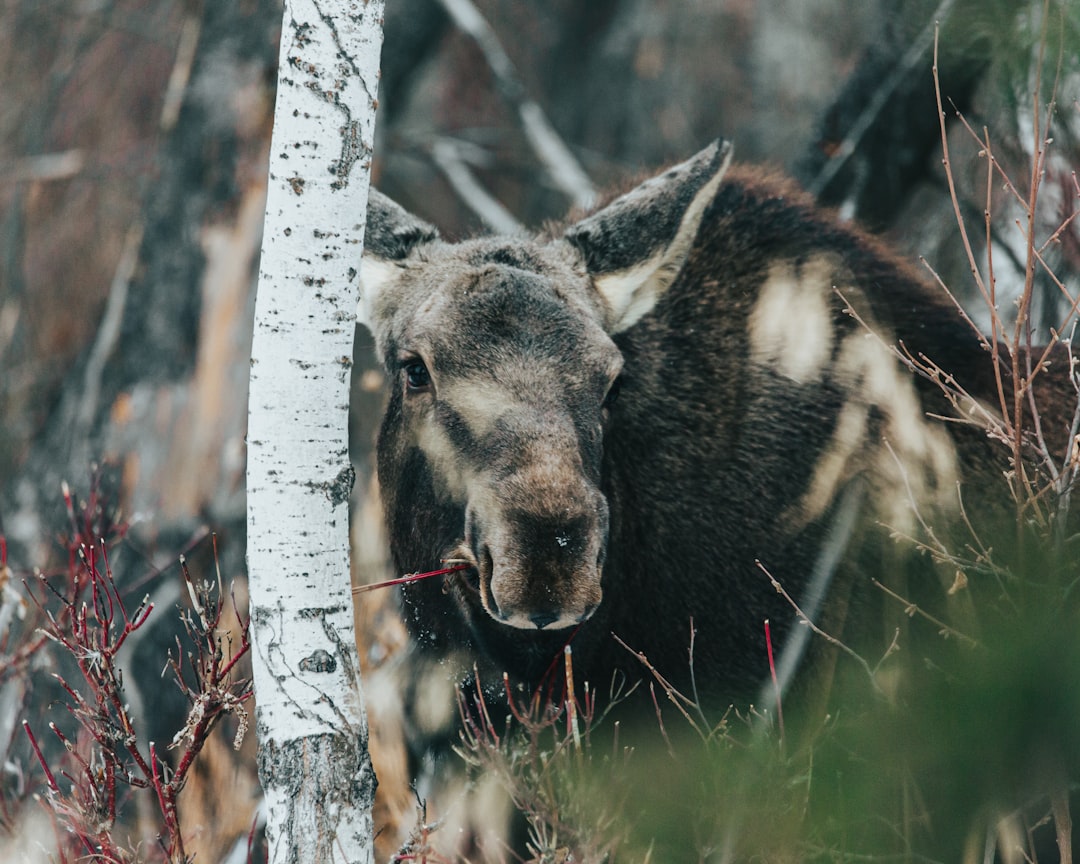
405, 580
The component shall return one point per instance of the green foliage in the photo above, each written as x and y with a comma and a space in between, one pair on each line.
970, 752
1010, 34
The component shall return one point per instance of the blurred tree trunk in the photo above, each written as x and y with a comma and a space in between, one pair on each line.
155, 390
876, 139
313, 758
158, 391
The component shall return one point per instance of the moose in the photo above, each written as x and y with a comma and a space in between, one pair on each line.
639, 426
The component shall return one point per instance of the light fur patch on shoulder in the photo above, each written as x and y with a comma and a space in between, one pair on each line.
911, 461
836, 465
790, 326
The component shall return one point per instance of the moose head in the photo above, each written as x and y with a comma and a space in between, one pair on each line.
503, 373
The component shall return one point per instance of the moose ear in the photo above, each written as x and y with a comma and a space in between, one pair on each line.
392, 233
636, 246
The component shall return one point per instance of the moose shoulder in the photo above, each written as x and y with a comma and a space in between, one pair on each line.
613, 426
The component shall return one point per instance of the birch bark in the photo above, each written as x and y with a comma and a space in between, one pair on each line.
313, 759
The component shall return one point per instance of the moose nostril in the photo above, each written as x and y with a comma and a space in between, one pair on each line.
542, 619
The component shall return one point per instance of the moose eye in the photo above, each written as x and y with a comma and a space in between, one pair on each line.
613, 392
417, 376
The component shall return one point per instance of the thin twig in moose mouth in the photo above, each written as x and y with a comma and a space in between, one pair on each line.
408, 578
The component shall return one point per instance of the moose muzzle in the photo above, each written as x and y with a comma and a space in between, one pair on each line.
538, 548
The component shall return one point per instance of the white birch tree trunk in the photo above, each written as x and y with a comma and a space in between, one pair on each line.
313, 759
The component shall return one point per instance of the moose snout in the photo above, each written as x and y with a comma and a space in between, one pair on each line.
541, 571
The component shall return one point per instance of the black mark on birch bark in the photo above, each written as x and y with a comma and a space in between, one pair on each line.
319, 660
352, 146
345, 653
338, 489
318, 613
301, 33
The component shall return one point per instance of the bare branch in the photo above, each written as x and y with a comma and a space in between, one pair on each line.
447, 154
47, 166
562, 166
914, 609
803, 619
181, 72
108, 332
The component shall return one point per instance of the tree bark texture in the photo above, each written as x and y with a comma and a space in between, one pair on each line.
313, 761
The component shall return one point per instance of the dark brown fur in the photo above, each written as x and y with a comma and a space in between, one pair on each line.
705, 460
